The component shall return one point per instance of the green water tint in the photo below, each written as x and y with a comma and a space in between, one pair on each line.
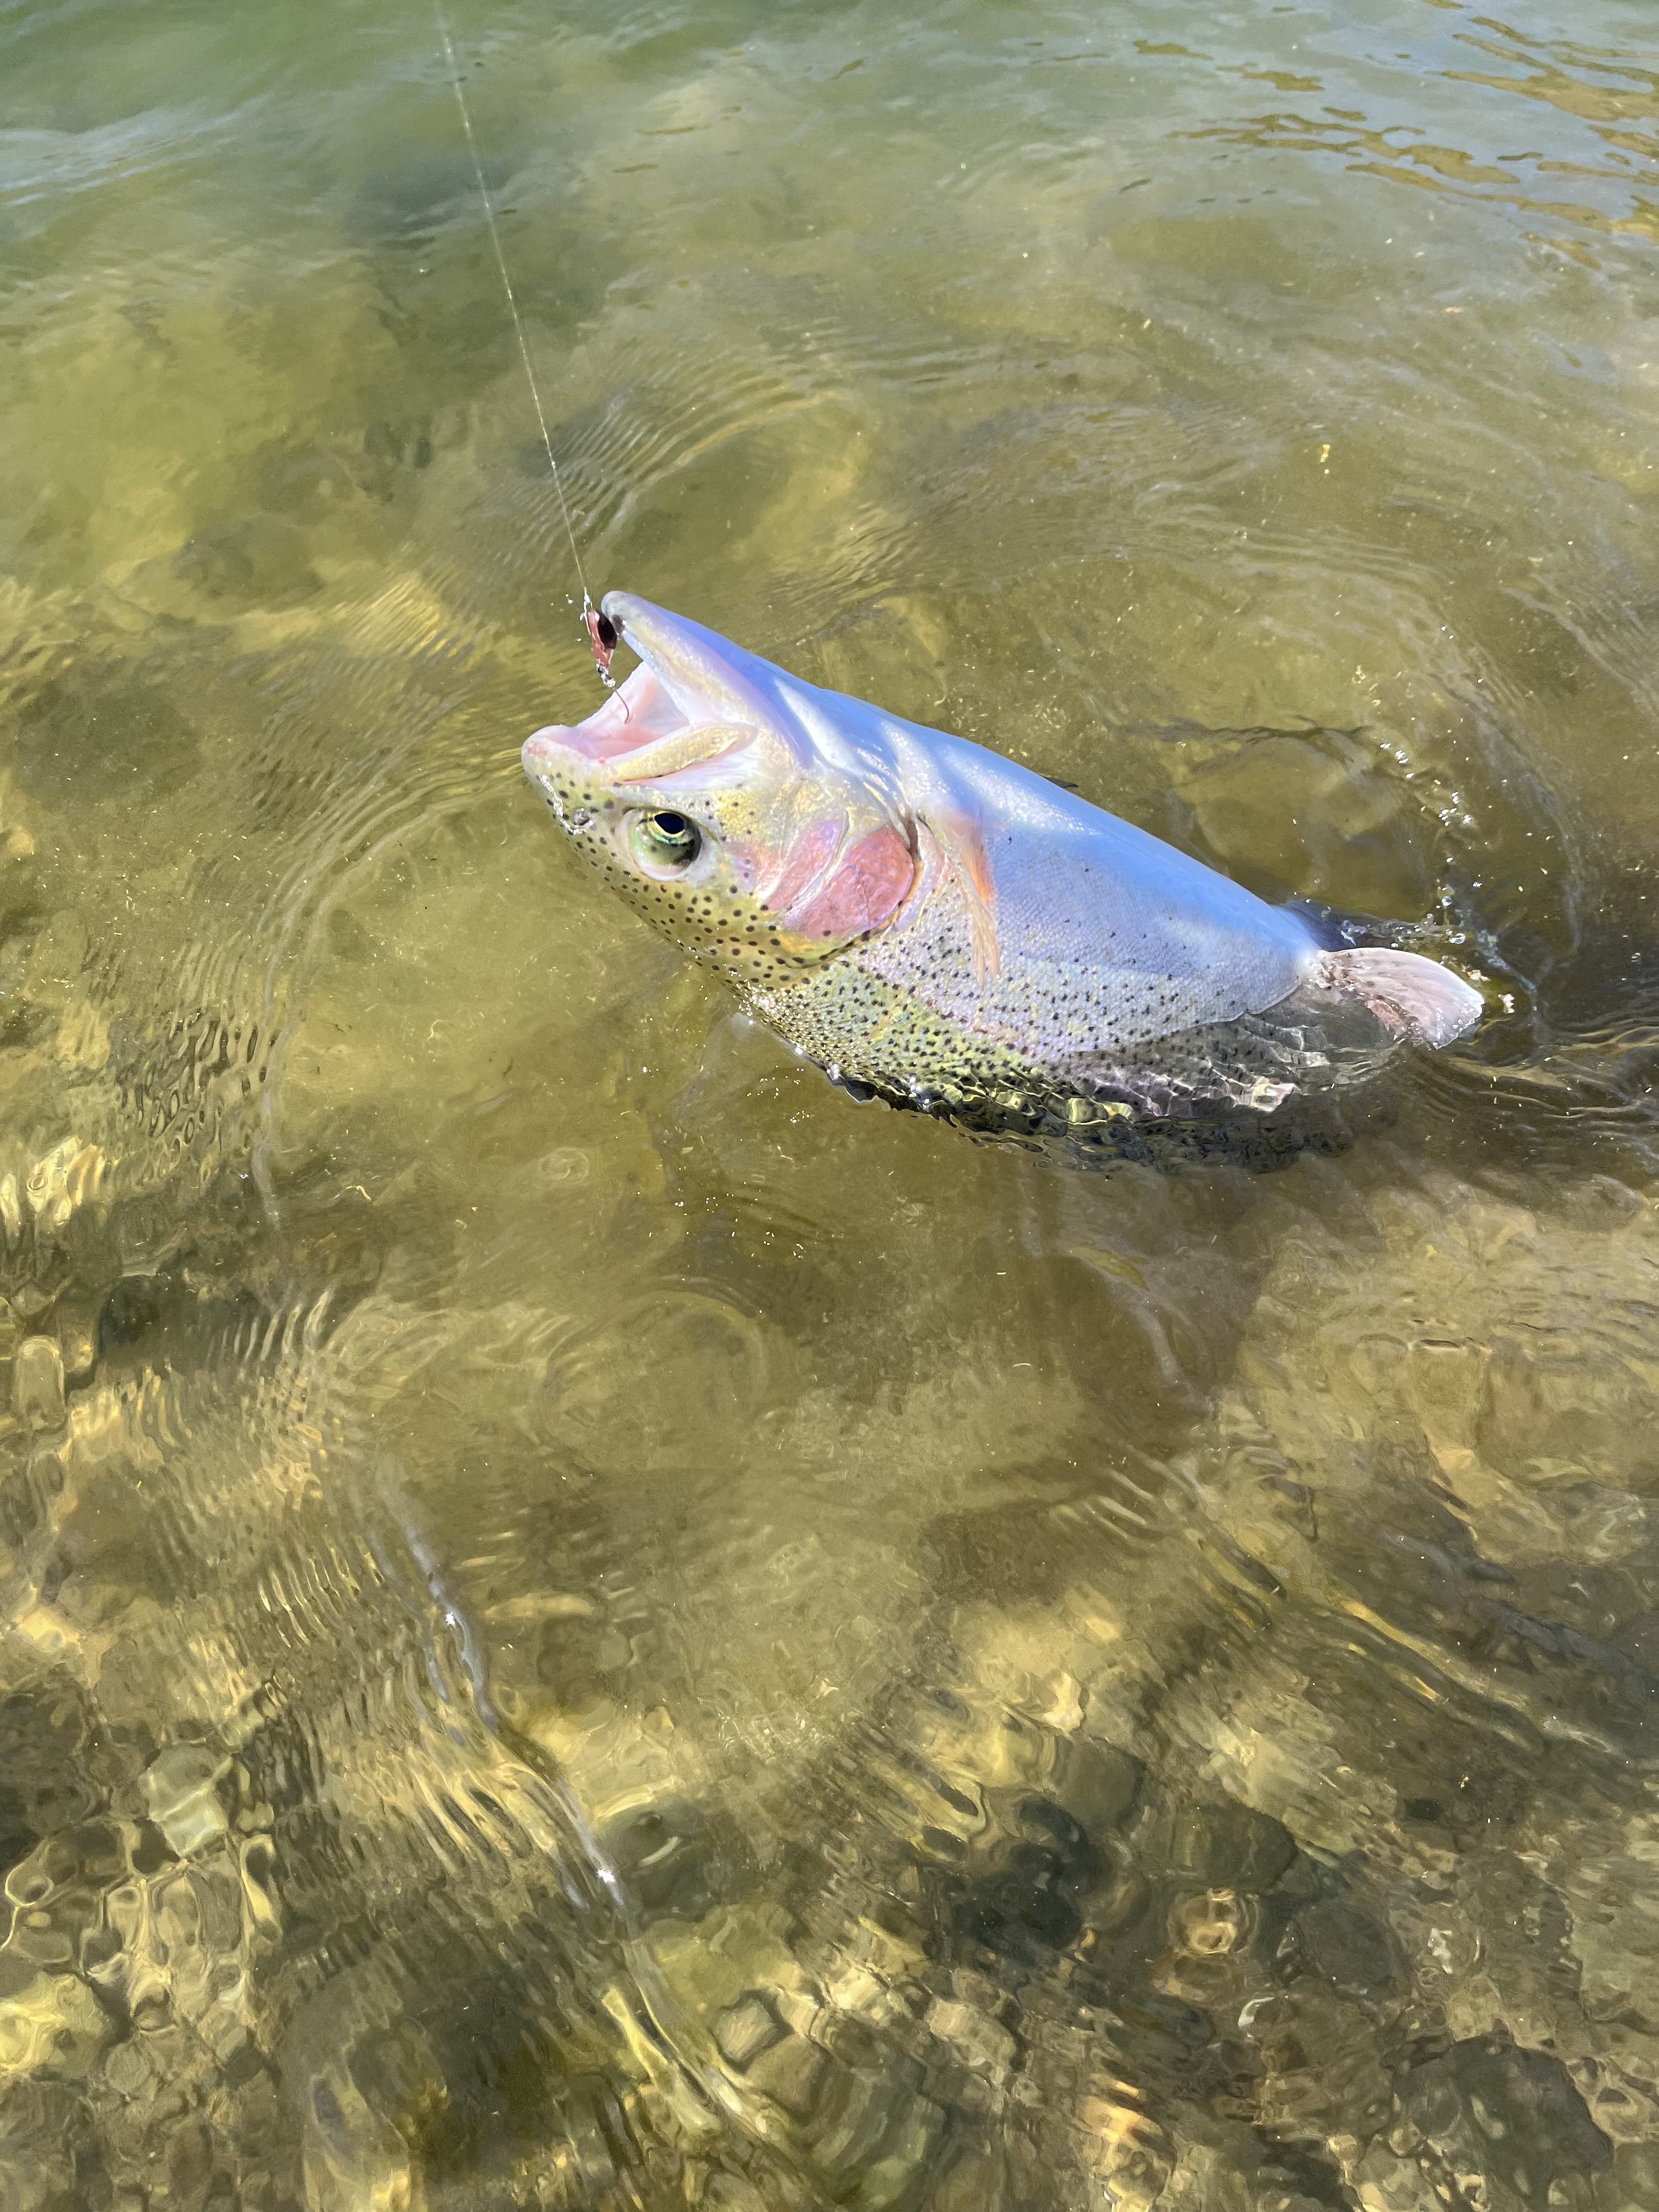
586, 1622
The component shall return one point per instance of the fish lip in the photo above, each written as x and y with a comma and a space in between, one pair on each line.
542, 753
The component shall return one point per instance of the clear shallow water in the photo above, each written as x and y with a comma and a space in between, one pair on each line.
587, 1623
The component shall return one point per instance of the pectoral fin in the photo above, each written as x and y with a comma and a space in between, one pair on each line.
960, 841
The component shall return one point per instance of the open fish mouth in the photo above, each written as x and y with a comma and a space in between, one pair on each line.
685, 705
640, 711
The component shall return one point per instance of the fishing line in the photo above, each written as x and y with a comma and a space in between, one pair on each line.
598, 629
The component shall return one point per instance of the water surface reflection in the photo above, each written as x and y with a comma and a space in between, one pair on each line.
587, 1623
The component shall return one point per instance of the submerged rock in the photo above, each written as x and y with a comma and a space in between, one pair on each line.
1510, 2113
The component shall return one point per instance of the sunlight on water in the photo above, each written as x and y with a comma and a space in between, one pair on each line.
587, 1623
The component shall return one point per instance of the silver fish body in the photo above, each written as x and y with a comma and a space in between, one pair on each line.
935, 923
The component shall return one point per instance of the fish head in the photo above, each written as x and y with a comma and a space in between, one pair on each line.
726, 804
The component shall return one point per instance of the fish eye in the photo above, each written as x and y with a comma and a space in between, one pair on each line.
665, 844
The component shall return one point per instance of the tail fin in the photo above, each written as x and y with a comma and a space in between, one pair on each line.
1409, 995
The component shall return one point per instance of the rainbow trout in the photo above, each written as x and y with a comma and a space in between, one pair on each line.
935, 925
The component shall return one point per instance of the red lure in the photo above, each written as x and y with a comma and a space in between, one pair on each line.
603, 633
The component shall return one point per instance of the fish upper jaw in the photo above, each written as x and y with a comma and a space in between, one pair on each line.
709, 678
